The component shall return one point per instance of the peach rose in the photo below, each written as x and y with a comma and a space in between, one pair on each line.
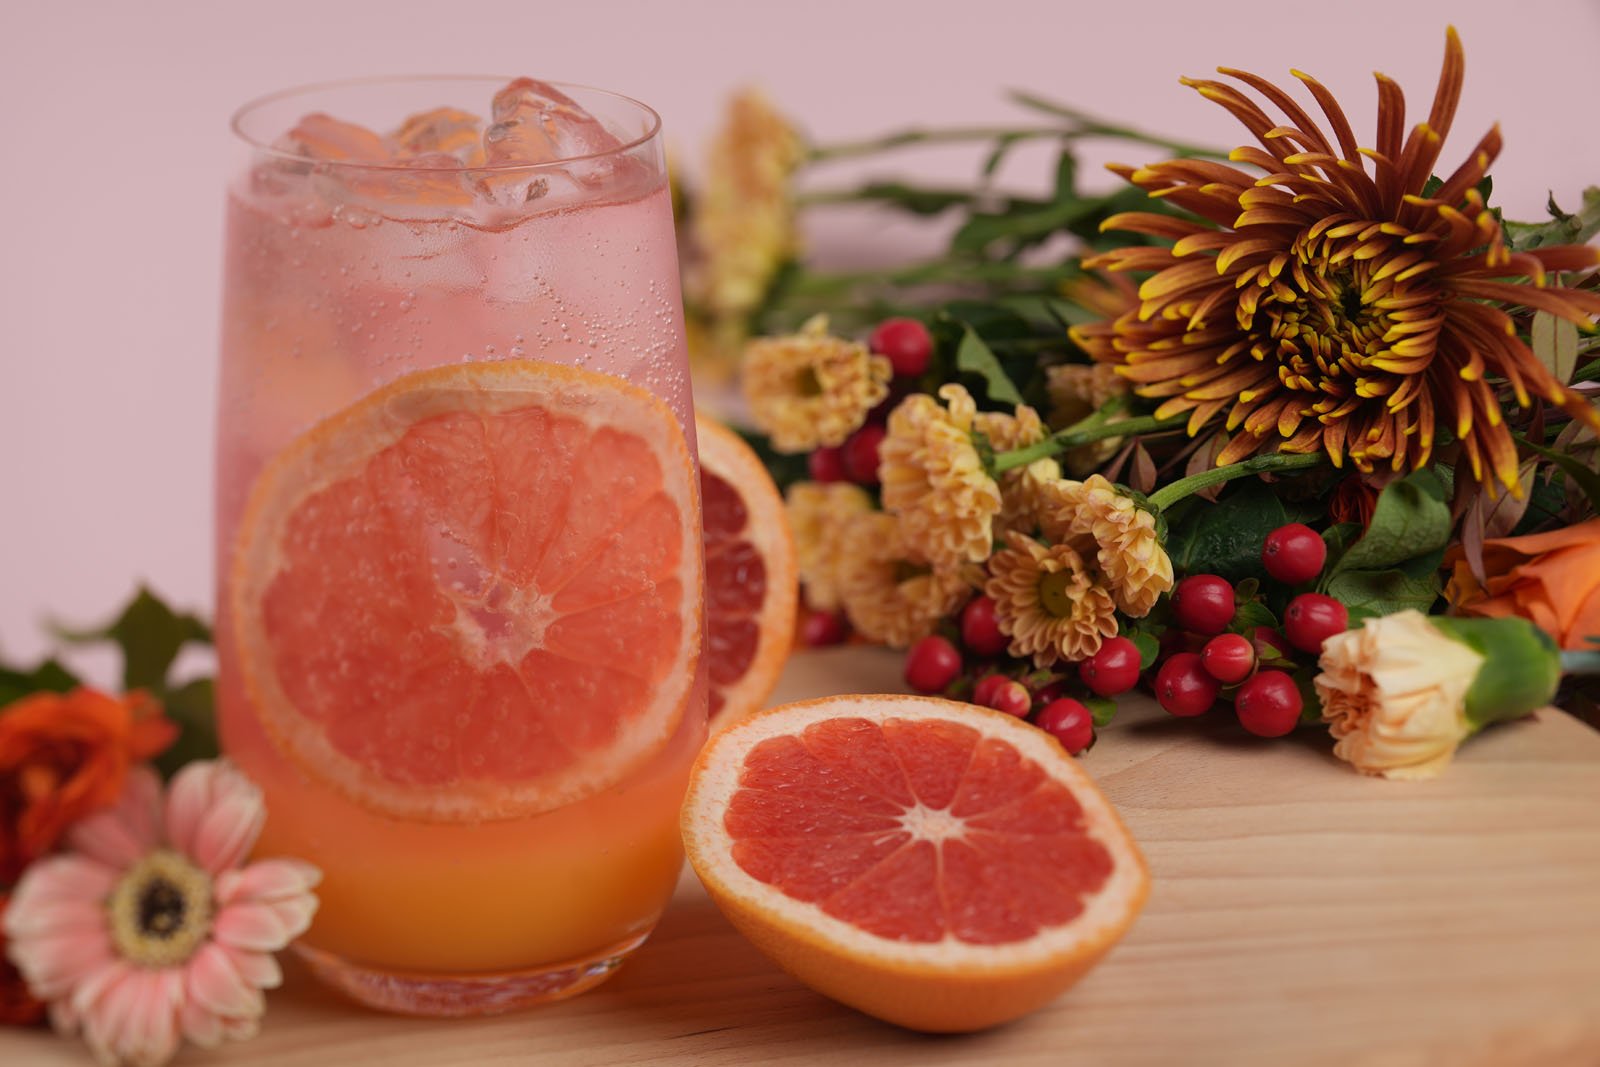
62, 756
1552, 579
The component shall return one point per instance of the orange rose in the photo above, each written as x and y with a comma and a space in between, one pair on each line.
17, 1006
63, 755
1551, 579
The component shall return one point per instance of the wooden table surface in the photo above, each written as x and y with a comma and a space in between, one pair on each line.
1300, 915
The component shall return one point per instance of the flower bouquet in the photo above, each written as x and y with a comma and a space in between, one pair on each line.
1277, 432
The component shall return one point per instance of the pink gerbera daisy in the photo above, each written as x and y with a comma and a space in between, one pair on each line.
147, 930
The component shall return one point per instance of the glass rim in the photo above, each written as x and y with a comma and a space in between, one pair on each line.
237, 119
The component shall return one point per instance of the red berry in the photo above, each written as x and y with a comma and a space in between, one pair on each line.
932, 664
1294, 553
906, 342
1068, 722
861, 454
1228, 658
1270, 644
1112, 670
979, 630
1203, 604
1052, 690
1269, 704
1003, 694
1183, 687
826, 465
1311, 619
821, 628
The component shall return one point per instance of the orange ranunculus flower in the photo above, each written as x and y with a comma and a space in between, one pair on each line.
1551, 579
63, 755
18, 1007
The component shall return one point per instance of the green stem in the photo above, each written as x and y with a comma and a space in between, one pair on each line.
1087, 125
1580, 661
812, 284
922, 136
1094, 428
1168, 495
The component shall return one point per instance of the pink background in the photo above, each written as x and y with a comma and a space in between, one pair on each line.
118, 149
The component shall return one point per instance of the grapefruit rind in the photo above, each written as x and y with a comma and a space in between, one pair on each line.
337, 449
944, 986
725, 454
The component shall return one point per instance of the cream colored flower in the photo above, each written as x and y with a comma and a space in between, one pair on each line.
743, 225
1048, 601
890, 592
1076, 391
818, 514
933, 479
1022, 493
1126, 547
1394, 695
810, 388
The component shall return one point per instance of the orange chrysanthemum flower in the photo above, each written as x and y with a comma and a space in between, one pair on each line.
1333, 305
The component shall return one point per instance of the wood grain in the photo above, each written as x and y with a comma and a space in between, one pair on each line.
1301, 914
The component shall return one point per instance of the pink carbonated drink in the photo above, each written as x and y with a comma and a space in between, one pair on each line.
458, 529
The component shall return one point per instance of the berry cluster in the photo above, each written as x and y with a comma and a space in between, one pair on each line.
908, 346
1213, 650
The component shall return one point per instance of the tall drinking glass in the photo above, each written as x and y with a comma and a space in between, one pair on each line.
458, 529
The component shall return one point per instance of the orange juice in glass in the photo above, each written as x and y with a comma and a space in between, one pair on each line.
458, 529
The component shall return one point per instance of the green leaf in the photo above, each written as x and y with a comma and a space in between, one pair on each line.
49, 676
1412, 519
1101, 709
975, 357
1369, 593
1587, 479
150, 635
1555, 342
193, 708
1149, 648
1225, 538
917, 200
1249, 615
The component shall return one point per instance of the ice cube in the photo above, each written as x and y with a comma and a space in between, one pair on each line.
325, 137
534, 122
444, 130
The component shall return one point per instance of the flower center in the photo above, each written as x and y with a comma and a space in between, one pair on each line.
161, 910
806, 382
1056, 592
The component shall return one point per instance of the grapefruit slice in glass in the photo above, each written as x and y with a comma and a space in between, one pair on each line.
933, 864
475, 593
752, 582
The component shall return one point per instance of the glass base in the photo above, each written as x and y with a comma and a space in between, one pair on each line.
448, 995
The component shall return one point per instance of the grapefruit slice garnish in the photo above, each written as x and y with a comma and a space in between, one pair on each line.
474, 594
936, 865
751, 579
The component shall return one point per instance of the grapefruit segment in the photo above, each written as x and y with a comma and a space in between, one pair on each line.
937, 865
752, 583
474, 594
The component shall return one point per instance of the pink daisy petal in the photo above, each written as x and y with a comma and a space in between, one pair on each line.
200, 1025
53, 966
150, 1035
259, 969
201, 793
212, 979
122, 834
87, 993
56, 879
266, 880
252, 926
56, 917
228, 831
106, 1021
243, 1028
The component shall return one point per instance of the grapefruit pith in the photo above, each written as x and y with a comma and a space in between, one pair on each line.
933, 864
474, 593
751, 578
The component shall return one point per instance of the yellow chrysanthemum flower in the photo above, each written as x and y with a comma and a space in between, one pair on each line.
1048, 601
933, 479
1023, 493
1121, 535
744, 222
891, 593
818, 515
810, 388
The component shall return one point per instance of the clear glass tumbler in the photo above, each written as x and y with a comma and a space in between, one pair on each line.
458, 529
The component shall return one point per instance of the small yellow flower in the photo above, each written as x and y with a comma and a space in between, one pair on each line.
1048, 601
891, 593
1123, 536
1023, 493
933, 479
1394, 695
818, 515
810, 389
744, 224
1077, 390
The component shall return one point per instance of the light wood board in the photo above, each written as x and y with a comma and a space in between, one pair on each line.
1300, 914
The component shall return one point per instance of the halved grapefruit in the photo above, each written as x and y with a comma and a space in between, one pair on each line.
751, 579
474, 593
937, 865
